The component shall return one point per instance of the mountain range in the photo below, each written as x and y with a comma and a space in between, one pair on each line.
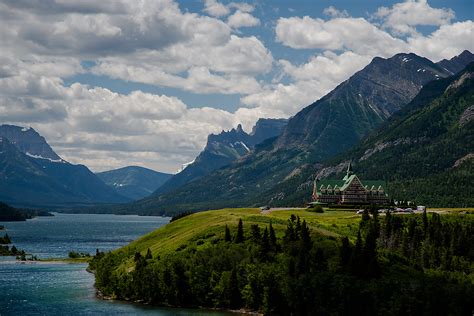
324, 129
134, 182
223, 149
33, 175
367, 119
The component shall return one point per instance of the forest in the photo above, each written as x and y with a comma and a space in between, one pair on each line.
417, 264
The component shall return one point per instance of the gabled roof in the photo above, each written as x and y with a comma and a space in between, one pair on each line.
344, 183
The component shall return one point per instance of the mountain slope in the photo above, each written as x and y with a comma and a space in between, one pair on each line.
279, 170
134, 182
32, 175
28, 141
327, 127
457, 63
425, 152
223, 149
427, 155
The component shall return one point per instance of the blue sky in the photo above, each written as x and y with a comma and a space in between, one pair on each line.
116, 83
267, 12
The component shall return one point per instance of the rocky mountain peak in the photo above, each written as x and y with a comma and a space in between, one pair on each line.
28, 141
457, 63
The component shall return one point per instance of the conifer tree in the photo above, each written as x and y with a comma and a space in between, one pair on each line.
425, 222
355, 264
346, 252
239, 237
235, 297
264, 245
272, 236
305, 236
255, 232
148, 254
290, 233
227, 236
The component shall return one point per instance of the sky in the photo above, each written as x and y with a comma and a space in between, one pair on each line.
117, 83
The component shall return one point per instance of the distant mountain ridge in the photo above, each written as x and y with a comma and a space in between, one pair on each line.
134, 182
33, 175
457, 63
320, 131
223, 149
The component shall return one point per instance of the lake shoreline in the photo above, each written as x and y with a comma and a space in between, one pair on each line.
101, 296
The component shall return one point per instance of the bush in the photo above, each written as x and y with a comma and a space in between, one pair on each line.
316, 209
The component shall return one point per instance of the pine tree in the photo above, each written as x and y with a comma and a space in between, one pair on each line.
255, 232
227, 236
264, 245
425, 222
239, 237
298, 227
346, 252
290, 233
235, 297
273, 240
356, 264
7, 239
148, 254
305, 236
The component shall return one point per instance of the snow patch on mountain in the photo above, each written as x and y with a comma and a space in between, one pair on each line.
44, 158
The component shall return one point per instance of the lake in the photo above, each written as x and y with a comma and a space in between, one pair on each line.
68, 289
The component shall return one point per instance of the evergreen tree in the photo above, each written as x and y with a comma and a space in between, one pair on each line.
264, 245
273, 240
356, 264
425, 222
305, 236
148, 254
239, 237
290, 233
235, 297
346, 252
227, 236
255, 232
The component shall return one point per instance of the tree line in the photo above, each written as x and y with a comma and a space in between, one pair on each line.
413, 264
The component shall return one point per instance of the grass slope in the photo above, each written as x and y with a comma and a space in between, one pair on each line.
200, 229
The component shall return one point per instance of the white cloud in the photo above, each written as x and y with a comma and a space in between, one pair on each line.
242, 19
215, 8
445, 42
157, 43
355, 34
79, 120
311, 81
402, 18
335, 13
229, 68
242, 6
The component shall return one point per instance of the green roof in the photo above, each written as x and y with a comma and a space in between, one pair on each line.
342, 184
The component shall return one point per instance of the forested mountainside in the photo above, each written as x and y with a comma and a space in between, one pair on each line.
279, 170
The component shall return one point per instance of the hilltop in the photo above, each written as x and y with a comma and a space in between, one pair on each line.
298, 262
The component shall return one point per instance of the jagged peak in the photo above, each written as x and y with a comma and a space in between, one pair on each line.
28, 141
465, 53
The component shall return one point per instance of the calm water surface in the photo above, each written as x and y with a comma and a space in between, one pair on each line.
67, 289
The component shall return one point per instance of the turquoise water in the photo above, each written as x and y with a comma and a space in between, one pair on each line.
68, 289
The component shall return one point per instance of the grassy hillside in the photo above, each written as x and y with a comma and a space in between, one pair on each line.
201, 227
332, 263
